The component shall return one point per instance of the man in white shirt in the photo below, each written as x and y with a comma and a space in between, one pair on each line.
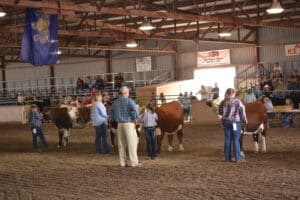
249, 97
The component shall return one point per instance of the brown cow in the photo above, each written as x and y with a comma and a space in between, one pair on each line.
66, 117
257, 124
170, 121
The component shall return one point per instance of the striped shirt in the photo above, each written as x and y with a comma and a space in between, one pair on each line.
235, 111
35, 119
123, 110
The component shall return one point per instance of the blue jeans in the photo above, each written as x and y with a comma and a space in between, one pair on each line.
101, 136
151, 141
232, 136
40, 134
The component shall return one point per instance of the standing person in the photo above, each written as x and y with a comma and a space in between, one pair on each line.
119, 80
162, 98
125, 112
234, 115
150, 122
186, 105
99, 119
35, 122
203, 92
215, 91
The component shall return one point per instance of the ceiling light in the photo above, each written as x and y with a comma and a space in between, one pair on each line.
2, 13
224, 34
275, 8
58, 52
146, 26
131, 44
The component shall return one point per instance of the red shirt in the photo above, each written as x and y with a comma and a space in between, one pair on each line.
87, 101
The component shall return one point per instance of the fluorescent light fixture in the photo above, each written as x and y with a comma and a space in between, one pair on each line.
2, 13
224, 34
146, 26
131, 44
275, 8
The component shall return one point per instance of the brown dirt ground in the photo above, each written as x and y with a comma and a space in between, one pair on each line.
197, 173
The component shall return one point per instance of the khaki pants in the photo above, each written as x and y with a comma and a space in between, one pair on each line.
127, 137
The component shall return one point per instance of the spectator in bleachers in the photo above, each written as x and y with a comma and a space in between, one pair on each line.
119, 81
261, 71
100, 85
20, 98
75, 102
258, 92
287, 118
294, 81
87, 100
268, 82
277, 67
249, 96
79, 84
279, 93
67, 99
87, 83
162, 98
267, 90
268, 105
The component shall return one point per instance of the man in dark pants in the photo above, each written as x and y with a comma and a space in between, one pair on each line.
35, 121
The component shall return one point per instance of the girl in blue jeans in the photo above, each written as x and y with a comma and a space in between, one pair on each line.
233, 115
150, 122
99, 119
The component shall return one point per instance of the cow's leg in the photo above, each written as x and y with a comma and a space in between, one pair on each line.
180, 136
60, 137
170, 140
241, 145
263, 138
66, 137
255, 139
159, 141
112, 136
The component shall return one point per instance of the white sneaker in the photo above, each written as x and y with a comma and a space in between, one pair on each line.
138, 165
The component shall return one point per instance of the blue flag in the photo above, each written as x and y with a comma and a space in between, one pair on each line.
39, 45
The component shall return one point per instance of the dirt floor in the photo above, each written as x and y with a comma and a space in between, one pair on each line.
197, 173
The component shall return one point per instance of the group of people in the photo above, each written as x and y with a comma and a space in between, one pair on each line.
275, 79
97, 83
125, 112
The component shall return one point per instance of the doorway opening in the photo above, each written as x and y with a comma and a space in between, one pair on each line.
224, 77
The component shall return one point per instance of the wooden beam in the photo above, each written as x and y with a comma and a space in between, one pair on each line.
121, 11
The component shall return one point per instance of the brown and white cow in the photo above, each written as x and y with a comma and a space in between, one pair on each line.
66, 117
170, 121
257, 124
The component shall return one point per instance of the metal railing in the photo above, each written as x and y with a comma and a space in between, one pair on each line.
67, 85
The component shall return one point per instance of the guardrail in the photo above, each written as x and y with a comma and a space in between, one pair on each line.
67, 85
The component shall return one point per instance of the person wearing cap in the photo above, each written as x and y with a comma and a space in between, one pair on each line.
35, 122
125, 112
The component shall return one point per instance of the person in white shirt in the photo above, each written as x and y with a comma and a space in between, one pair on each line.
249, 97
150, 122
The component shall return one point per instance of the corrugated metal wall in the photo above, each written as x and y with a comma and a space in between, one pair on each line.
272, 42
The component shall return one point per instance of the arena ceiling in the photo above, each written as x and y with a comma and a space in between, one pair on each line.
89, 27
